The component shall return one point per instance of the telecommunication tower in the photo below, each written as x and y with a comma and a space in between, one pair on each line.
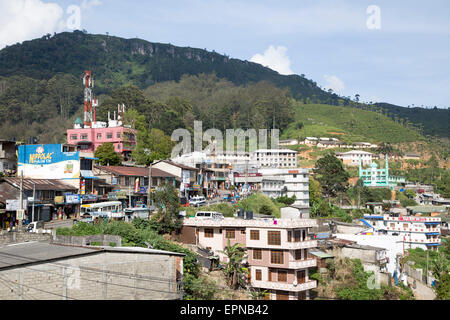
90, 104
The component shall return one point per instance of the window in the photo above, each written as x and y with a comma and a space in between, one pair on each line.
289, 236
243, 231
229, 234
257, 254
84, 136
209, 233
282, 276
274, 238
109, 135
276, 257
254, 234
297, 236
298, 254
118, 135
99, 135
258, 275
74, 137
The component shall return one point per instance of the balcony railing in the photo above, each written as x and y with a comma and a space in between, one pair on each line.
284, 286
301, 264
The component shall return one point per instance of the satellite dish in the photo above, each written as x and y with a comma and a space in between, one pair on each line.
295, 283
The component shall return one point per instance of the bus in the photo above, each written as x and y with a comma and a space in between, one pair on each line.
108, 210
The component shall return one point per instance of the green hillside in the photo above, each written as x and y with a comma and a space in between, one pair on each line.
117, 62
318, 120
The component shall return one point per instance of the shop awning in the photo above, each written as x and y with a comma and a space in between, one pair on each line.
88, 174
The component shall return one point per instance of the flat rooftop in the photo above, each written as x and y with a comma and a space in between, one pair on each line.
16, 255
273, 223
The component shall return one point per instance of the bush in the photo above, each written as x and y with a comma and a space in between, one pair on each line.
256, 201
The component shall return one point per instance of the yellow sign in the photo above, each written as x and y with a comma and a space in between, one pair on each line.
59, 199
40, 156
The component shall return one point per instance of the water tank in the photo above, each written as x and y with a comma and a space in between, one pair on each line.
241, 213
249, 215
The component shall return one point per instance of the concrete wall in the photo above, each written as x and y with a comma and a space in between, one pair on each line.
99, 276
105, 240
18, 237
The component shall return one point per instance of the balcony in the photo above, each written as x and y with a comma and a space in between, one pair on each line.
284, 286
300, 245
302, 264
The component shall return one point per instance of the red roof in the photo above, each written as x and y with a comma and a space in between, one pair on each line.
136, 171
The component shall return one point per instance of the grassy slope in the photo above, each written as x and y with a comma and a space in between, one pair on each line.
356, 124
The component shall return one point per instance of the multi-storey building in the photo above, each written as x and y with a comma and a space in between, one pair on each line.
351, 158
415, 232
8, 161
89, 138
274, 158
286, 182
277, 251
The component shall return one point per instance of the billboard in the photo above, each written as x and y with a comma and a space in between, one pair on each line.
48, 161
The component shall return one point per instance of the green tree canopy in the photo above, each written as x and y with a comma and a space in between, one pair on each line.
331, 175
107, 155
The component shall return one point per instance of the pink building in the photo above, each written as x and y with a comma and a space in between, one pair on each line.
277, 251
88, 139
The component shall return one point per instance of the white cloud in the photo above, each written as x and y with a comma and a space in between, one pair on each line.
26, 19
334, 83
276, 59
88, 4
22, 20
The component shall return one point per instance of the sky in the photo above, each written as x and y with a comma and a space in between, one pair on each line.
385, 51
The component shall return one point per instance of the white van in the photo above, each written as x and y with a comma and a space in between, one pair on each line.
209, 215
197, 201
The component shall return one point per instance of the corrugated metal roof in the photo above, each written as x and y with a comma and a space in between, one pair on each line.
321, 254
136, 171
41, 184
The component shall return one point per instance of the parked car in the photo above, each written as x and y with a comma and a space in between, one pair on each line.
197, 201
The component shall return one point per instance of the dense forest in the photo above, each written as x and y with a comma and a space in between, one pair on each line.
41, 80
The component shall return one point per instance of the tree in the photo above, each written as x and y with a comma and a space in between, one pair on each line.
235, 271
107, 155
167, 219
331, 175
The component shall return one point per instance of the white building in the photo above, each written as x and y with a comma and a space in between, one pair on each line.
290, 142
275, 158
286, 182
415, 232
351, 158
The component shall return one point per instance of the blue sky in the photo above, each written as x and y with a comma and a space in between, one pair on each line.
406, 61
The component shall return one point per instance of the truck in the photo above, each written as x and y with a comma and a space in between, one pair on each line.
37, 227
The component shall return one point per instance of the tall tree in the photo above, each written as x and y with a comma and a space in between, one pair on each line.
107, 155
331, 175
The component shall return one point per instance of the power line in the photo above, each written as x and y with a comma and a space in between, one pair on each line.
12, 288
34, 288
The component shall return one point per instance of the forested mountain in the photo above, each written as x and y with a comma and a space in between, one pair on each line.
41, 91
117, 62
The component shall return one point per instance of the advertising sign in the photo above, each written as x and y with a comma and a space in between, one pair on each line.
59, 200
72, 198
48, 160
14, 205
136, 185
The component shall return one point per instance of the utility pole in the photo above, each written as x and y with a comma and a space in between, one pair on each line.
149, 191
19, 223
34, 197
